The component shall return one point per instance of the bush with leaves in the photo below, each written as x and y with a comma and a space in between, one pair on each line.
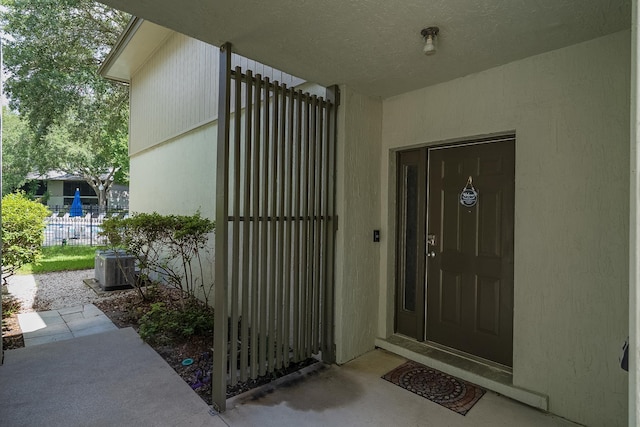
162, 323
22, 232
169, 248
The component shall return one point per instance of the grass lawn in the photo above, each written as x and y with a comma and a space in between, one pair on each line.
62, 258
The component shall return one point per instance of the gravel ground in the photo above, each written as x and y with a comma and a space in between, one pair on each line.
51, 291
43, 292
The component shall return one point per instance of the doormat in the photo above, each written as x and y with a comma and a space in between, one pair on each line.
438, 387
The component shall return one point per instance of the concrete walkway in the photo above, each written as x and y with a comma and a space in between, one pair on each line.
63, 324
107, 379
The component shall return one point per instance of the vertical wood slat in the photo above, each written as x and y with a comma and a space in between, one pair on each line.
280, 349
311, 316
325, 227
297, 231
273, 288
235, 246
255, 239
318, 266
219, 368
311, 215
310, 195
305, 235
246, 230
264, 231
287, 283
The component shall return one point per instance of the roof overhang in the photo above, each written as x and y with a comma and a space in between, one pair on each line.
376, 46
134, 47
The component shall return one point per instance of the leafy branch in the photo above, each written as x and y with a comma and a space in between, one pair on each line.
167, 248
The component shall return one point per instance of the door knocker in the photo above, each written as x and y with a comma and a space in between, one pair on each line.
469, 195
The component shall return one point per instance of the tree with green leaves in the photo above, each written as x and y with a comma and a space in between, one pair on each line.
16, 156
78, 120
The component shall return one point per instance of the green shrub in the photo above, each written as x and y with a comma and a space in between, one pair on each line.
169, 247
22, 232
162, 323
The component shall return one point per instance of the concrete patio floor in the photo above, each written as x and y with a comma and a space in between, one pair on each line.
355, 395
114, 378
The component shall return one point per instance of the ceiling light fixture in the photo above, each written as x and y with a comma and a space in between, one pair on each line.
430, 36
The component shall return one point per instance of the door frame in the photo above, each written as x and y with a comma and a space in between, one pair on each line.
406, 321
394, 224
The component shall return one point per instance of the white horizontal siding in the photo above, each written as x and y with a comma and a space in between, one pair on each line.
173, 91
176, 90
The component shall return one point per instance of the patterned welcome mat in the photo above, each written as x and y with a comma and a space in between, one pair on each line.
438, 387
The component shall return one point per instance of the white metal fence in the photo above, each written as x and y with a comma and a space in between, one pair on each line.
62, 229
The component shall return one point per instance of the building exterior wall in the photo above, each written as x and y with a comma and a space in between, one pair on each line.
570, 112
176, 90
177, 177
357, 206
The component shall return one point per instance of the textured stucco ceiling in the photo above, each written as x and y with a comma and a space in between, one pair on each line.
375, 46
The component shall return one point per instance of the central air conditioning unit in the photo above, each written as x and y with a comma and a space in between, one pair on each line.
114, 270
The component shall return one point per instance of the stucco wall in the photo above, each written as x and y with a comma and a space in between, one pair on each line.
177, 177
358, 207
570, 111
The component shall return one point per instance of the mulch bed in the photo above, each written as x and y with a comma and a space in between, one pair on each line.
11, 333
125, 310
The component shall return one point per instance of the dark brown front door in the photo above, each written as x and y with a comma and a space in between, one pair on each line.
470, 249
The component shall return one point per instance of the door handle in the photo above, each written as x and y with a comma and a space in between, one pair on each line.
431, 254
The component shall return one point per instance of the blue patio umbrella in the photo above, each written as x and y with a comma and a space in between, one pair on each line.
76, 206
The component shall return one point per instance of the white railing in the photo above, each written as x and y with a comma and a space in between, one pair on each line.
62, 229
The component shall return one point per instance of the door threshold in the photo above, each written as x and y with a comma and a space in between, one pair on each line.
494, 378
479, 360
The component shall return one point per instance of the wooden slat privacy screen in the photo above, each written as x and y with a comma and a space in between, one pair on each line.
275, 226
